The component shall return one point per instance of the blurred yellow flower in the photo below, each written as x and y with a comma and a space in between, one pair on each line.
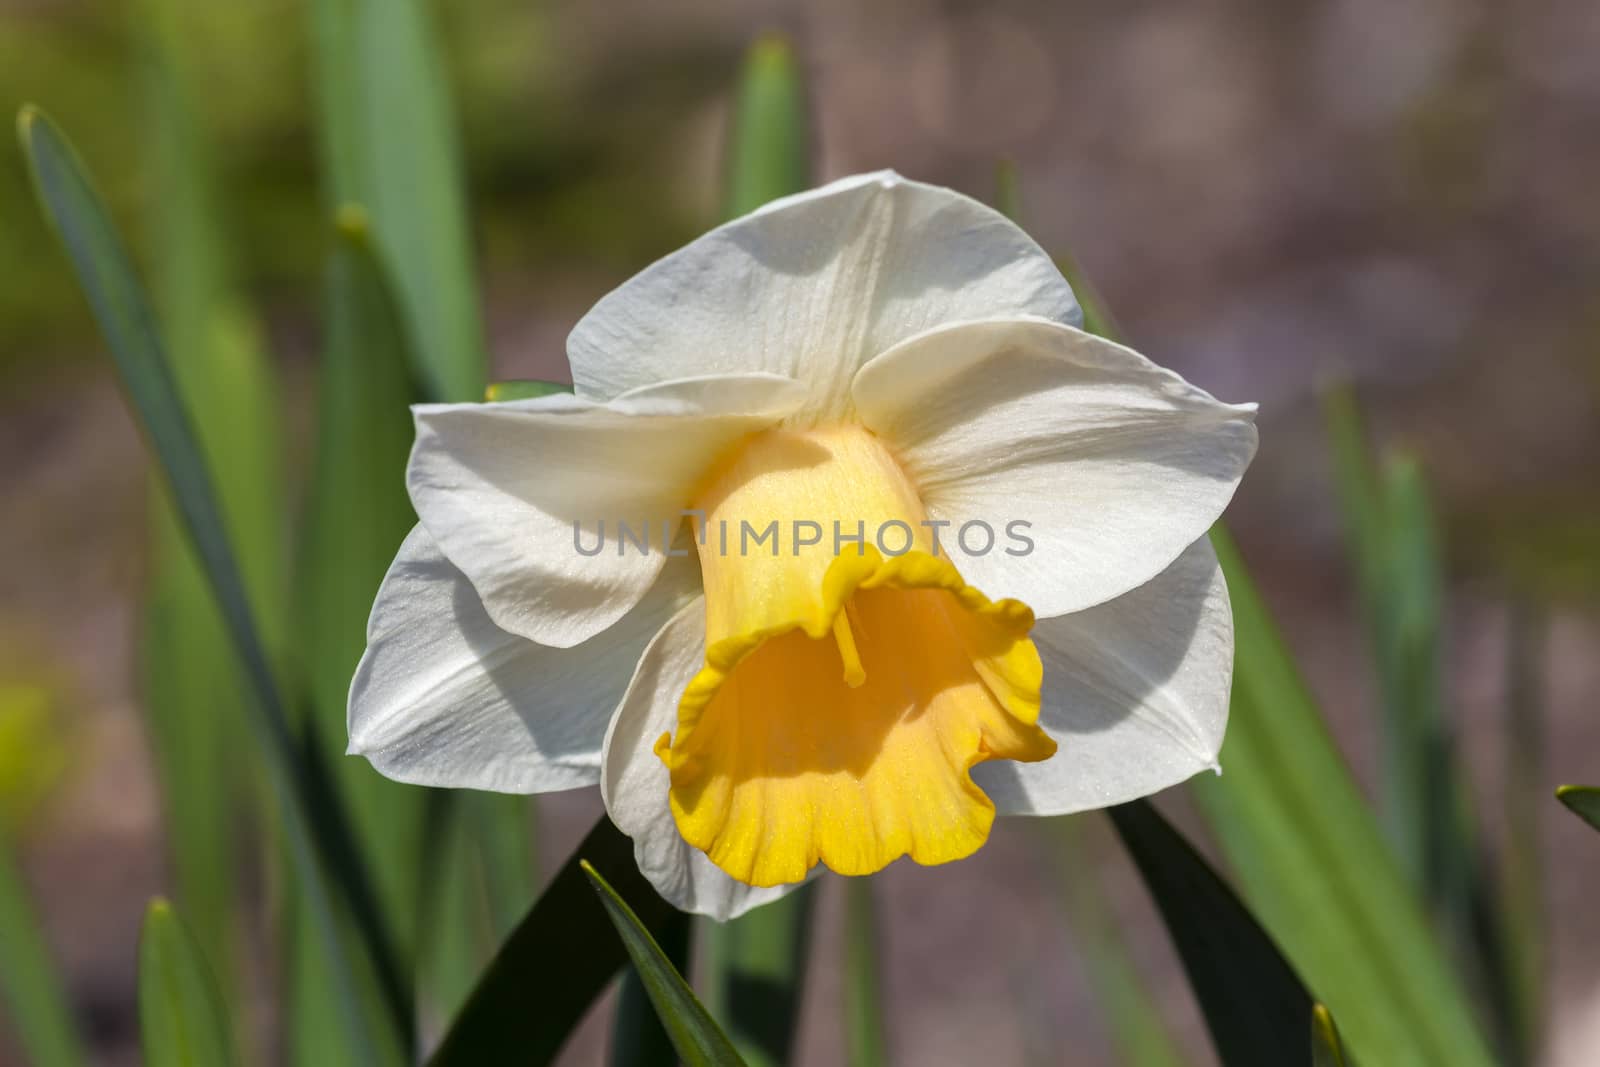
33, 750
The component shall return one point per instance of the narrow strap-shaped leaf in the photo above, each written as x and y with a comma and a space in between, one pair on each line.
865, 1044
1359, 493
694, 1033
229, 386
182, 1022
356, 514
769, 146
451, 912
1465, 898
34, 1002
478, 883
1313, 866
555, 963
524, 389
638, 1038
1139, 1033
1521, 864
757, 975
389, 141
1583, 801
315, 829
1361, 509
1410, 602
1254, 1003
1392, 538
503, 835
1326, 1049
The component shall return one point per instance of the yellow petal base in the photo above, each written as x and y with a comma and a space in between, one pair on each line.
838, 714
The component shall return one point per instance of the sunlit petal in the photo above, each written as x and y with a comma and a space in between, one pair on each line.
444, 697
509, 491
814, 285
1108, 465
1135, 694
635, 782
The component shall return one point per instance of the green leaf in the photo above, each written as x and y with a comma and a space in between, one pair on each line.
36, 1006
188, 669
1254, 1004
865, 1044
1522, 802
314, 826
1458, 882
1392, 537
1392, 597
1008, 190
389, 142
355, 517
1138, 1032
1409, 602
357, 510
182, 1022
566, 924
769, 148
1326, 1050
1313, 866
451, 949
479, 845
693, 1032
1360, 498
756, 975
226, 381
524, 389
1583, 801
638, 1039
503, 834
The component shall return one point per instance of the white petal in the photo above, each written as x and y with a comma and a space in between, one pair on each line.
1135, 694
444, 697
635, 782
505, 488
1116, 465
814, 285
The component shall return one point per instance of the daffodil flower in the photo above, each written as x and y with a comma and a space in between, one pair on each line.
848, 539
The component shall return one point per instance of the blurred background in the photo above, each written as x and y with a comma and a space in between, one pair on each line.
1272, 197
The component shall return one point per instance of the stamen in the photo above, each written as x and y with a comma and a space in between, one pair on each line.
854, 673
